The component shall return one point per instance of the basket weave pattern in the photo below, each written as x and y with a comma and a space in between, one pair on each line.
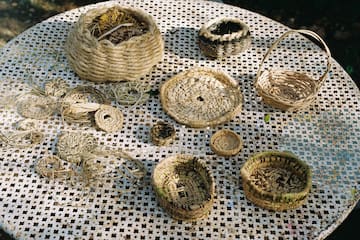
276, 180
184, 187
102, 61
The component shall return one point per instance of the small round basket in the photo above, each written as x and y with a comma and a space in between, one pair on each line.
184, 187
162, 133
276, 180
226, 143
285, 89
201, 97
99, 59
223, 37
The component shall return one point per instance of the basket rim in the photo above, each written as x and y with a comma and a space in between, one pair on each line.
219, 76
205, 31
224, 152
245, 174
94, 12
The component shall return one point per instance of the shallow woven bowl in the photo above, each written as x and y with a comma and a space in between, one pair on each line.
285, 89
276, 180
223, 37
184, 187
226, 143
201, 97
162, 133
102, 61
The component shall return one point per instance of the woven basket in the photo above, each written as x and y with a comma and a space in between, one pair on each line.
201, 97
226, 143
276, 180
184, 187
162, 133
285, 89
223, 37
102, 61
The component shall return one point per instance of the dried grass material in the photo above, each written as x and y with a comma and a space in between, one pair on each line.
276, 180
223, 37
201, 97
72, 146
131, 93
184, 187
99, 60
36, 107
226, 143
162, 133
79, 102
109, 119
25, 139
56, 88
51, 167
289, 90
27, 125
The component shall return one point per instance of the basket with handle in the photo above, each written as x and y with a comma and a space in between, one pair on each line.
286, 89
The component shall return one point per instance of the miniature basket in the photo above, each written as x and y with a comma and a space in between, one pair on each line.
276, 180
101, 61
162, 133
289, 90
223, 37
226, 143
201, 97
184, 187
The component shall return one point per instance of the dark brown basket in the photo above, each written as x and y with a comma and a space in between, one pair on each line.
184, 187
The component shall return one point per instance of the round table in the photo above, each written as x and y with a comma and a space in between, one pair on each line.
326, 135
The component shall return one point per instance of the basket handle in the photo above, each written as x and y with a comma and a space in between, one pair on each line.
305, 32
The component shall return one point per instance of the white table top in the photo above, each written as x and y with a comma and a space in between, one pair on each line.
326, 135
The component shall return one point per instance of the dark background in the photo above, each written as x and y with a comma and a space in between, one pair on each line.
337, 22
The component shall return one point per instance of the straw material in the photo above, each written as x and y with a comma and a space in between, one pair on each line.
100, 60
289, 90
56, 87
226, 143
162, 133
51, 167
201, 97
36, 107
223, 37
109, 119
276, 180
184, 187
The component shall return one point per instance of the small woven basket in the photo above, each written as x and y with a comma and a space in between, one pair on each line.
289, 90
276, 180
162, 133
101, 60
184, 187
226, 143
223, 37
201, 97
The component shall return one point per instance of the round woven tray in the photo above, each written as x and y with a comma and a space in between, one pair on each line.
226, 143
184, 187
201, 97
101, 60
289, 90
276, 180
223, 37
162, 133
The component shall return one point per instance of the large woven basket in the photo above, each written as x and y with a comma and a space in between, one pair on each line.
201, 97
286, 89
276, 180
223, 37
184, 187
102, 61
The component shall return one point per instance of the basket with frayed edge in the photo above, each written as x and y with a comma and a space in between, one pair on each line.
99, 59
184, 187
286, 89
276, 180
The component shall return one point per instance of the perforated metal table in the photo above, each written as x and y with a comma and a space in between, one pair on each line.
326, 135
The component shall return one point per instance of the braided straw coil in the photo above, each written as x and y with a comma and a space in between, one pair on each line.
201, 97
223, 37
276, 180
289, 90
36, 107
226, 143
101, 60
184, 187
109, 119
